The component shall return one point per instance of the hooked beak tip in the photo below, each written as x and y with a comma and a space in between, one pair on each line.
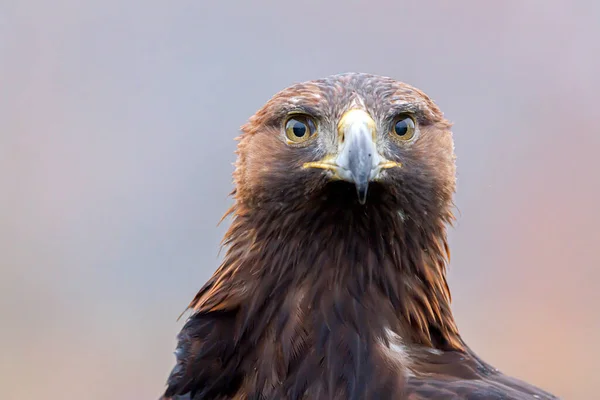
361, 191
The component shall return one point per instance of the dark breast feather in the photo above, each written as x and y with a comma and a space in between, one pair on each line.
494, 387
457, 375
210, 367
205, 358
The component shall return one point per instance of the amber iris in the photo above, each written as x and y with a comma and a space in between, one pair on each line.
404, 128
299, 128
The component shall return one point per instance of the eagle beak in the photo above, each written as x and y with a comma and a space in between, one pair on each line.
357, 159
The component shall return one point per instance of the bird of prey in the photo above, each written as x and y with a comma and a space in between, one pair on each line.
334, 284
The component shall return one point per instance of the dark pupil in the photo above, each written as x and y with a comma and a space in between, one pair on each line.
401, 128
299, 129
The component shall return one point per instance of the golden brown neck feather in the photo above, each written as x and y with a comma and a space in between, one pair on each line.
393, 265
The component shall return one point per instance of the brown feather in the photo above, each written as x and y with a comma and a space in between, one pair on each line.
320, 297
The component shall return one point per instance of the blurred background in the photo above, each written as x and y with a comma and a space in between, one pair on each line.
117, 122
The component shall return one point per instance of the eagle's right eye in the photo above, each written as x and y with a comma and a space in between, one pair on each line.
299, 128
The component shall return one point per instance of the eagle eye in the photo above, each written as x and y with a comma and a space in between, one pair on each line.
299, 128
403, 128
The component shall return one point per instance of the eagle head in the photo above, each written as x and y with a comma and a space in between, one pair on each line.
354, 139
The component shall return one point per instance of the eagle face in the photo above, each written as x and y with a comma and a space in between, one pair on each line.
355, 139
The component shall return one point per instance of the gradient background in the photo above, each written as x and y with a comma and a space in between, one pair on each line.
117, 122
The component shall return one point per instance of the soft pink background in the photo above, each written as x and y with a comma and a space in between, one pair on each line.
117, 121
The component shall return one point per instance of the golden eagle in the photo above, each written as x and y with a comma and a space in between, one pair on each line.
334, 281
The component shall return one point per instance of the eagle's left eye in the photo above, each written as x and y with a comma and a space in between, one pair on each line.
403, 128
299, 128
